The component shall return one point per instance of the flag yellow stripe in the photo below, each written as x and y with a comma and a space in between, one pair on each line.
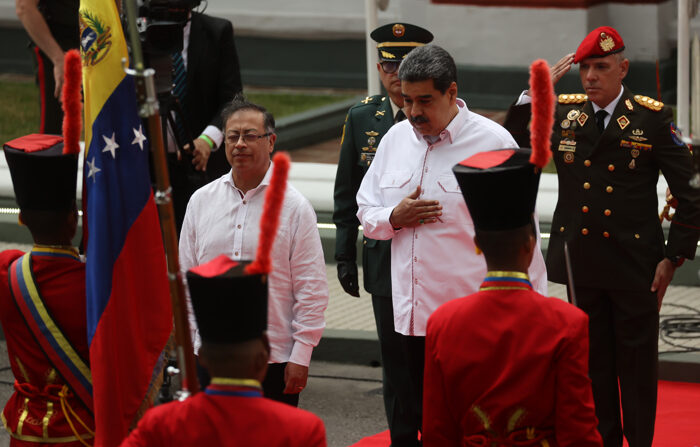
103, 75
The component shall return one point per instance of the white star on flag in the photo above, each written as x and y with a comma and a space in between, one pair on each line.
111, 145
139, 137
92, 169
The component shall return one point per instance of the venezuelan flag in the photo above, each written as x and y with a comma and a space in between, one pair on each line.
128, 305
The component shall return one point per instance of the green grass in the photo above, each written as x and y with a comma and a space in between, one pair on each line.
285, 104
19, 108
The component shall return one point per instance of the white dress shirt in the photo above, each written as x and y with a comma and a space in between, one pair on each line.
433, 263
221, 219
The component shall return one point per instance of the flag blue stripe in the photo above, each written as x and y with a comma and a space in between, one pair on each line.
116, 194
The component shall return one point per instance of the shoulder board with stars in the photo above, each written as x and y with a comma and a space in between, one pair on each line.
649, 103
572, 98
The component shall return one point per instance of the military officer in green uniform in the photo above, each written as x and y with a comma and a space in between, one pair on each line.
609, 146
365, 125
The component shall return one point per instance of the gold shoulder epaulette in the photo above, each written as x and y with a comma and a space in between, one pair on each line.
649, 103
572, 98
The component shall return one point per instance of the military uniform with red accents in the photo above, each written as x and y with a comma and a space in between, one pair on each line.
507, 364
228, 414
607, 214
33, 414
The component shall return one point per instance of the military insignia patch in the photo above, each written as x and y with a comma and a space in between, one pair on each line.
95, 38
573, 114
398, 30
565, 124
582, 118
623, 122
379, 113
637, 135
366, 100
371, 141
606, 42
568, 157
568, 134
676, 135
628, 103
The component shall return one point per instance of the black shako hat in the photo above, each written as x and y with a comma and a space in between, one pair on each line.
499, 187
44, 178
230, 305
395, 40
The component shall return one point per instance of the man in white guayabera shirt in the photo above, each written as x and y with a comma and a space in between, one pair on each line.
410, 195
223, 217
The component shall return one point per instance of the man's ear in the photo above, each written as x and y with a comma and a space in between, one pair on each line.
452, 91
273, 138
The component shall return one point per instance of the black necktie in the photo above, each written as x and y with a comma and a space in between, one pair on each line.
600, 119
400, 116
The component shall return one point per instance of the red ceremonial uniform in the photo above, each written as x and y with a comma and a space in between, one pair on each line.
507, 364
228, 416
33, 414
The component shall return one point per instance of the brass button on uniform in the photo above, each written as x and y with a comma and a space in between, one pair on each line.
609, 189
606, 234
364, 242
586, 185
561, 229
636, 235
584, 231
607, 212
611, 168
587, 163
584, 208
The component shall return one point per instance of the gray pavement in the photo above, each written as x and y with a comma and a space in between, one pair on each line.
347, 396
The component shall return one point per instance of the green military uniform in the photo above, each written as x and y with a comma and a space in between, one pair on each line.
365, 125
607, 213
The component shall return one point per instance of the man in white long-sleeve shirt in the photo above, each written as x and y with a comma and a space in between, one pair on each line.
223, 217
410, 195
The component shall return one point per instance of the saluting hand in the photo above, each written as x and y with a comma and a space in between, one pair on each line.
558, 70
411, 211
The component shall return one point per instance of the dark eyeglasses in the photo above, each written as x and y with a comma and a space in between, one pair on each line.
249, 138
390, 66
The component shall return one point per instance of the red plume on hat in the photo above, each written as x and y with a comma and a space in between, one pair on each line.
72, 107
542, 92
269, 222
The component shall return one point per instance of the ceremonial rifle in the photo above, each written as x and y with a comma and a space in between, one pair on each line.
149, 110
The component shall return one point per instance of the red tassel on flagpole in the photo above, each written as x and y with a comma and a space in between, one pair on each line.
72, 107
542, 92
269, 222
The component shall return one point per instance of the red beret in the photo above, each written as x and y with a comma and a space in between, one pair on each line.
600, 42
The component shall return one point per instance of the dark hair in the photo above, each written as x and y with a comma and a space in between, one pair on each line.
502, 246
429, 62
49, 225
239, 102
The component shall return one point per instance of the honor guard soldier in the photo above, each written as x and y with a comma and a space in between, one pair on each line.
230, 306
608, 146
42, 301
365, 125
506, 365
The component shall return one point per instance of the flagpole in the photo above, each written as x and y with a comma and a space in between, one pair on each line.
149, 110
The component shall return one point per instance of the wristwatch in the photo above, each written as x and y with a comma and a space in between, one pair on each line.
676, 260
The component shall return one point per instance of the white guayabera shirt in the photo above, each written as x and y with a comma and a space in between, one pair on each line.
433, 263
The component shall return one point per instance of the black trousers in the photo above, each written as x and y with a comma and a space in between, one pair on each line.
623, 365
50, 111
400, 413
411, 398
273, 385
